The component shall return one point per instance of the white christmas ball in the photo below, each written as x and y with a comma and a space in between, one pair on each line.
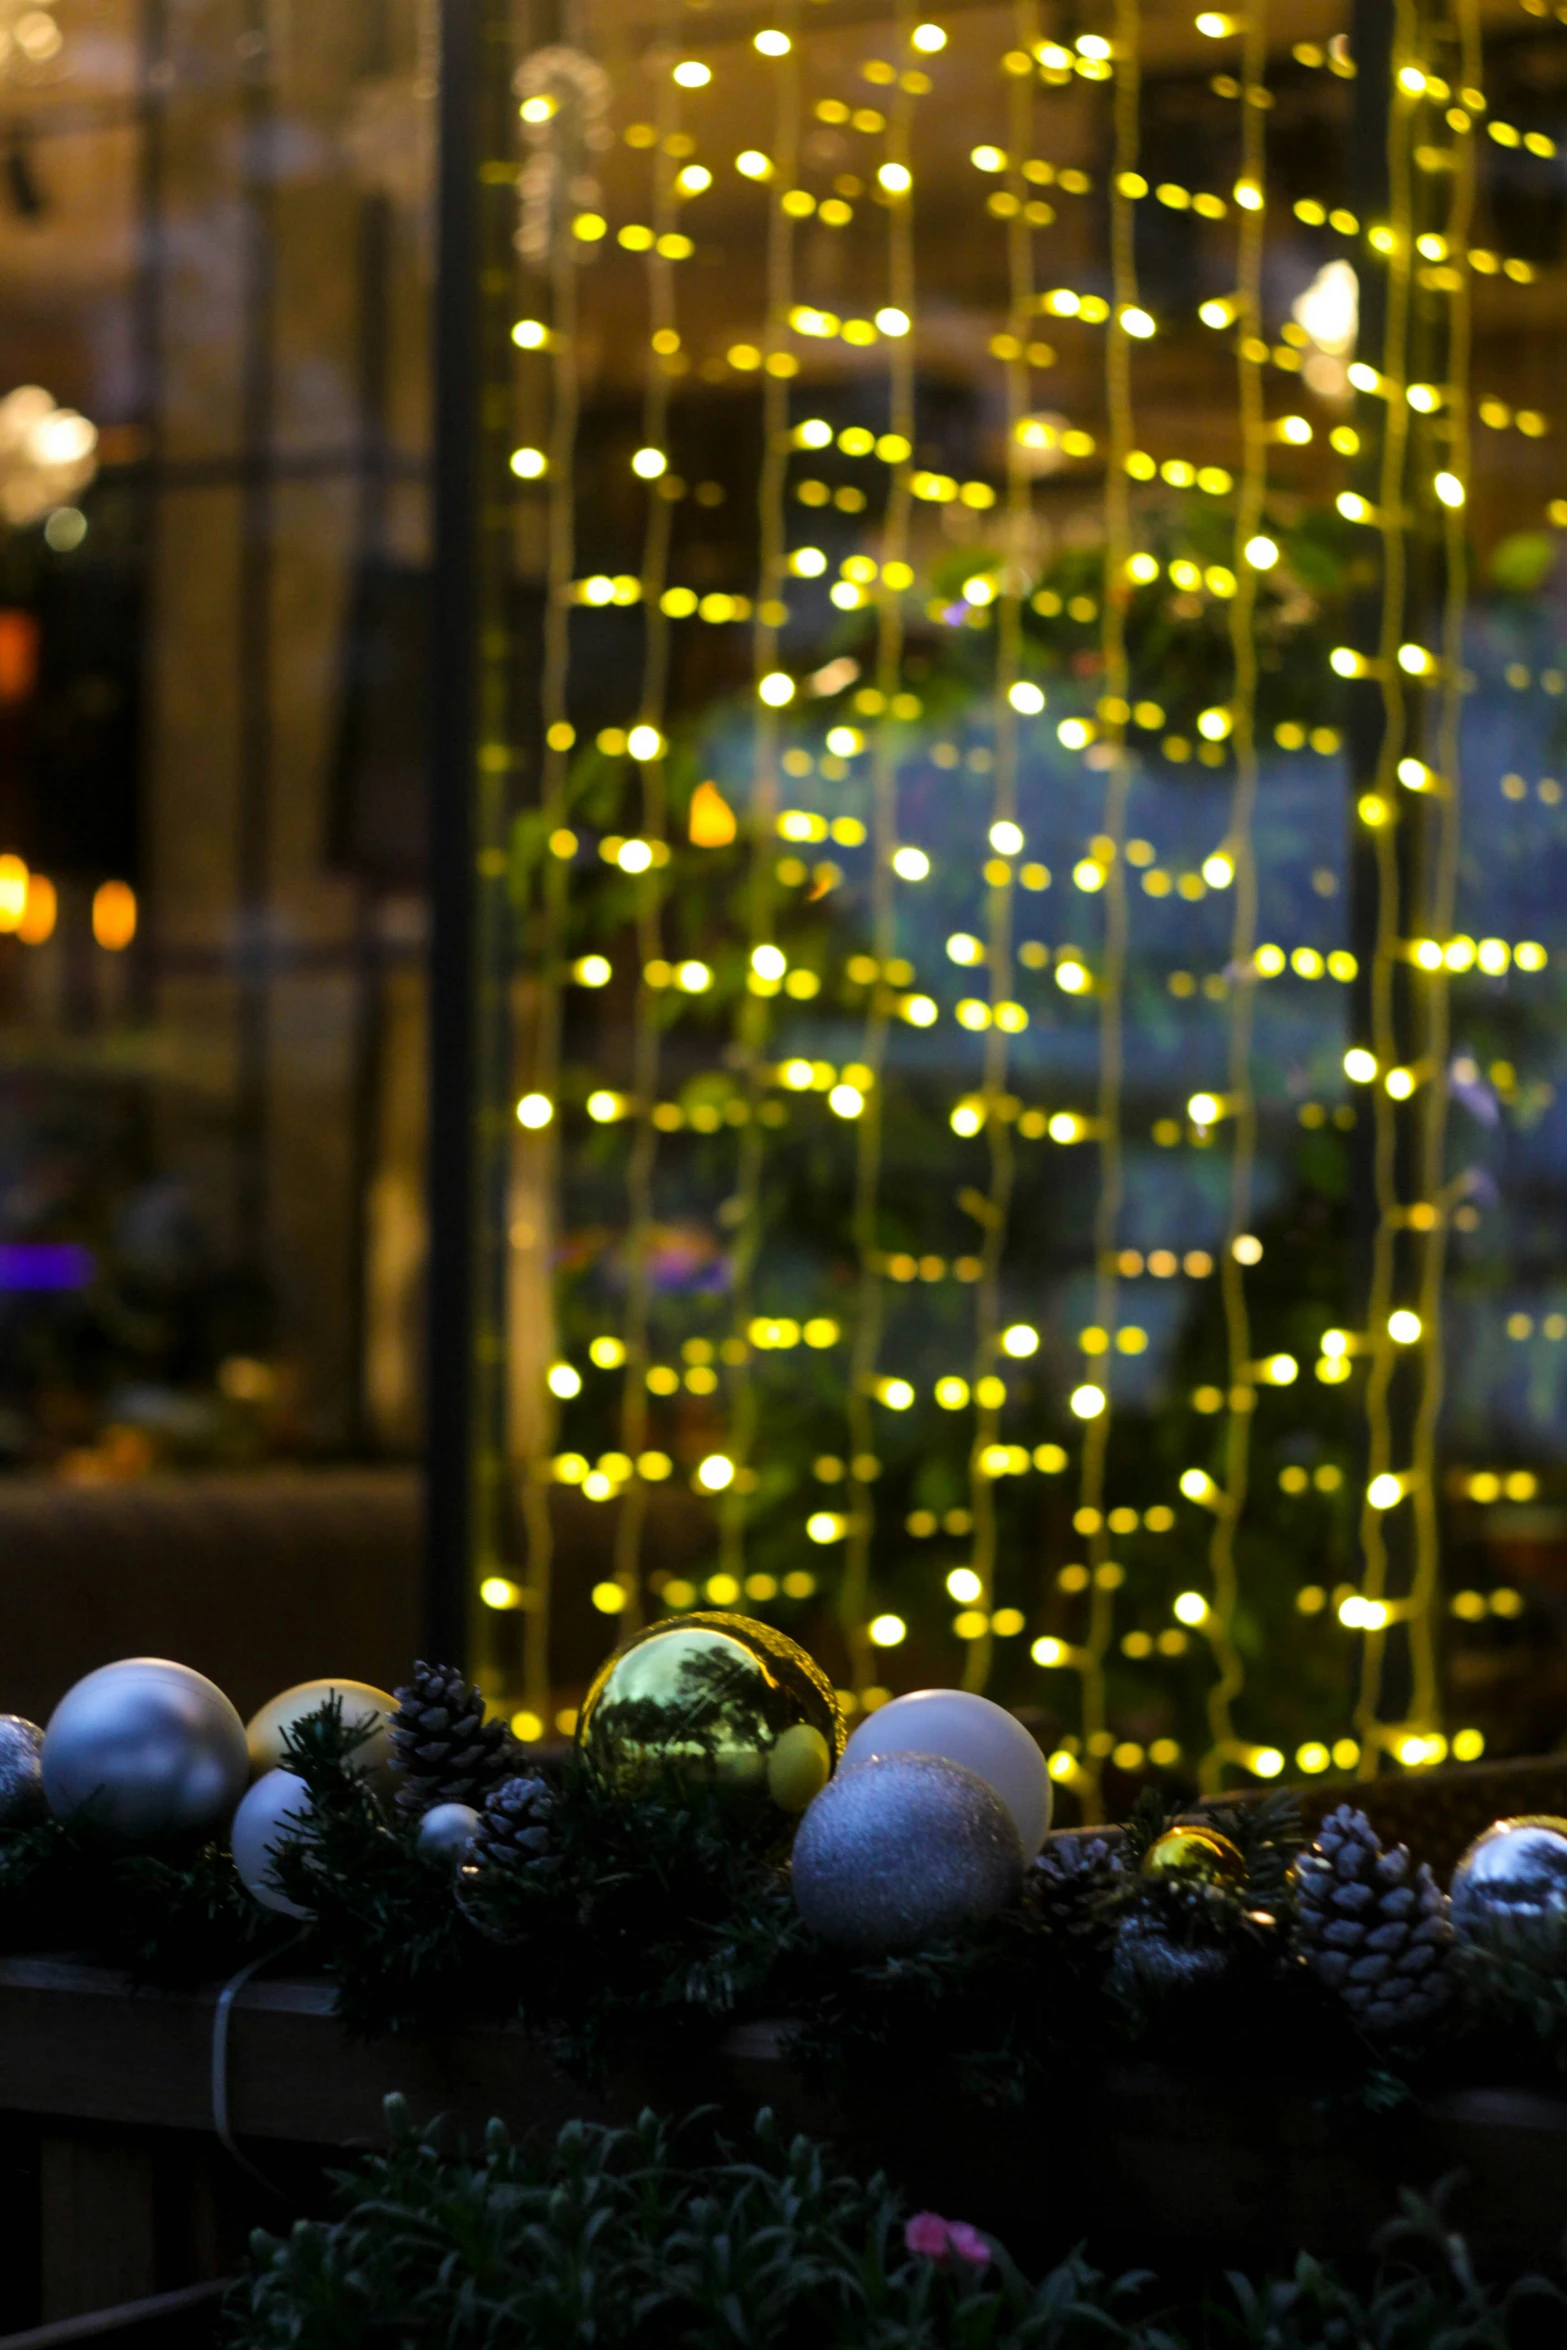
446, 1831
145, 1749
970, 1730
278, 1805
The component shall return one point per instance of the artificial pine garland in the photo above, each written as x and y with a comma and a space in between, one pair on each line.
601, 1917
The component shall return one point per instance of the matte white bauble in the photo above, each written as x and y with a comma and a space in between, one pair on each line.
278, 1806
145, 1749
973, 1731
446, 1831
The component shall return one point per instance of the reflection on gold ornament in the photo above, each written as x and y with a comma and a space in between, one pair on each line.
264, 1732
1197, 1855
715, 1698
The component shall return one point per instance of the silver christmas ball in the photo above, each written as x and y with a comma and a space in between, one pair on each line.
896, 1851
446, 1830
278, 1806
145, 1749
1509, 1892
21, 1776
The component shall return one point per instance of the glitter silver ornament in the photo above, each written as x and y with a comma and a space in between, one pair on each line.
1509, 1892
145, 1749
21, 1774
446, 1831
899, 1850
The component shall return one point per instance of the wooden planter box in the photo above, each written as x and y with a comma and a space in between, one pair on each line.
112, 2089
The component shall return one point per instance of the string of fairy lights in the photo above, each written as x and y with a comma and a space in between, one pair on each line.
1398, 1067
896, 178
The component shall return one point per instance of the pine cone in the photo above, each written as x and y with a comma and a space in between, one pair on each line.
448, 1749
1070, 1883
1371, 1926
514, 1828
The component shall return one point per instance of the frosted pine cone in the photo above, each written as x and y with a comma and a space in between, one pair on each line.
1071, 1881
446, 1746
514, 1828
1371, 1925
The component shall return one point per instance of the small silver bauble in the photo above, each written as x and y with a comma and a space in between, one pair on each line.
899, 1850
21, 1773
1509, 1892
145, 1749
446, 1831
278, 1806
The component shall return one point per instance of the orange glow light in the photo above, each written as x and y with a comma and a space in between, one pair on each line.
712, 819
114, 915
40, 912
13, 891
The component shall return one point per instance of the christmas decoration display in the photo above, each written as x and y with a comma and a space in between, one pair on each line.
709, 1697
1372, 1925
1509, 1893
446, 1745
21, 1773
664, 1879
150, 1750
901, 1850
965, 1728
278, 1805
266, 1733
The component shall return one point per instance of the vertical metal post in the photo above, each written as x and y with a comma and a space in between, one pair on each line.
454, 617
473, 761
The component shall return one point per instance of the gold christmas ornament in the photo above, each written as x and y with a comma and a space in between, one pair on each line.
715, 1698
264, 1732
1201, 1856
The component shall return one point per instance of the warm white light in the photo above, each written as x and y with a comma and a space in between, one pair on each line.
535, 1110
773, 44
563, 1380
910, 864
897, 179
769, 962
1020, 1340
1137, 323
1403, 1327
1360, 1067
1087, 1401
1329, 309
753, 164
1384, 1491
644, 742
648, 464
1261, 553
691, 74
528, 464
846, 1101
1006, 839
776, 688
1026, 698
1449, 489
1191, 1608
714, 1473
887, 1631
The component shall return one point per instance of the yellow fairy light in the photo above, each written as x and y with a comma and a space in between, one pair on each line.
563, 1380
691, 74
534, 1111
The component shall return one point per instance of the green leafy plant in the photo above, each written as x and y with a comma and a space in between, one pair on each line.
660, 2238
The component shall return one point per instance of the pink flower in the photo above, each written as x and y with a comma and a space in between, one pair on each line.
932, 2236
